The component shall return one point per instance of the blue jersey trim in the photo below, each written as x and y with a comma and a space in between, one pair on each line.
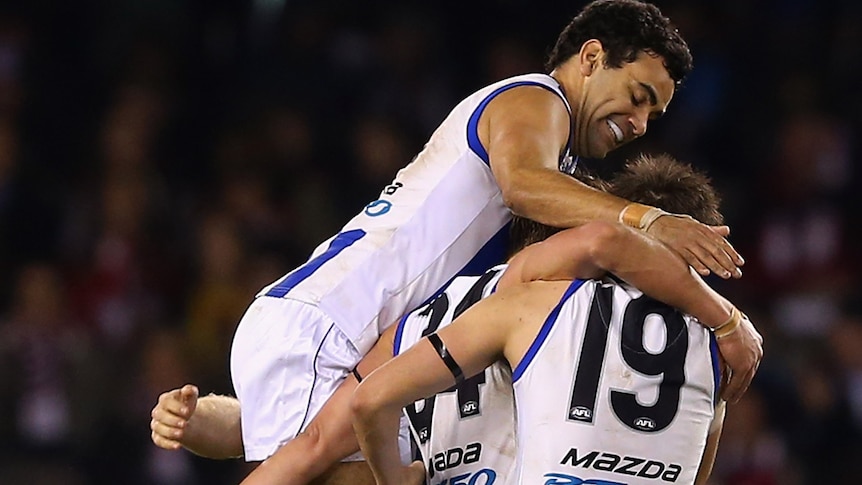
491, 254
399, 334
544, 331
341, 242
716, 370
473, 124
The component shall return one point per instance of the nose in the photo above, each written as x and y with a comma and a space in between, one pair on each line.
639, 123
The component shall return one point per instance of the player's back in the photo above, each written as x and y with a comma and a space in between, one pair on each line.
617, 388
465, 434
442, 210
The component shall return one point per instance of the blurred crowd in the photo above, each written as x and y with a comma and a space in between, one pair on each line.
161, 161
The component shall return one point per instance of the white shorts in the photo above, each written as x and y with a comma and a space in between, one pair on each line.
286, 360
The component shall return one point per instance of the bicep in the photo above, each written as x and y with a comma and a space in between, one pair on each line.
524, 128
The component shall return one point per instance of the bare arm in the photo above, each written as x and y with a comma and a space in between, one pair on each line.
525, 130
209, 426
475, 340
592, 249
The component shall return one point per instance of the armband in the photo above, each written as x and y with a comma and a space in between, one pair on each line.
447, 359
640, 216
730, 326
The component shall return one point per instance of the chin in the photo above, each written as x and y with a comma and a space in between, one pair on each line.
599, 153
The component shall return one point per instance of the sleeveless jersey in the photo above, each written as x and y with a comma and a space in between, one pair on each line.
437, 214
465, 434
617, 388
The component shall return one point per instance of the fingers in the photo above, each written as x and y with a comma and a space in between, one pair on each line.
722, 231
188, 392
719, 256
165, 436
703, 247
738, 384
174, 403
170, 417
189, 397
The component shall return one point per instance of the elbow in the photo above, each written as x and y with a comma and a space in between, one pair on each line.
515, 198
364, 403
604, 239
515, 191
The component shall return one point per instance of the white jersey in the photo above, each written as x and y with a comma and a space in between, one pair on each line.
617, 388
427, 225
465, 434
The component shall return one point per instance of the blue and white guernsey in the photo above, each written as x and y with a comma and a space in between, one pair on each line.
616, 389
465, 434
427, 225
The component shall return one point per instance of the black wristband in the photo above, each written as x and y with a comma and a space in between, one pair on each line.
356, 375
453, 366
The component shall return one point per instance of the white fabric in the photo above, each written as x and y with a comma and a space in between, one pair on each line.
478, 448
287, 359
438, 213
440, 210
552, 444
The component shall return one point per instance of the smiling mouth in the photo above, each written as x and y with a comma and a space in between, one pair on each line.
616, 130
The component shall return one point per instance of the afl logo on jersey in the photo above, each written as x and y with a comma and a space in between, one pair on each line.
581, 413
470, 408
378, 208
644, 424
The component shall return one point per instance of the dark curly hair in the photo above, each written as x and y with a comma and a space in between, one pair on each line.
625, 28
657, 180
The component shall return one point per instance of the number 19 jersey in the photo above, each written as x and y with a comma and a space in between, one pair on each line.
617, 388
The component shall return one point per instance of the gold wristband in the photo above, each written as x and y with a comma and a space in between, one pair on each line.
730, 326
640, 216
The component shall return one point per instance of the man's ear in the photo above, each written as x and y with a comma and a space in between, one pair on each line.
590, 56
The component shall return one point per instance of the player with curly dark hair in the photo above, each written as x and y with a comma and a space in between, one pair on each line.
498, 153
625, 28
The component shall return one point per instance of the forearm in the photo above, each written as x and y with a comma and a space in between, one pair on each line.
660, 273
214, 429
377, 432
555, 199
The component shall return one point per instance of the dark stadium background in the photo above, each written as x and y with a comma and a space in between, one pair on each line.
161, 160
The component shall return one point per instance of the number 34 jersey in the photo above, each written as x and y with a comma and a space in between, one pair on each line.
617, 388
466, 434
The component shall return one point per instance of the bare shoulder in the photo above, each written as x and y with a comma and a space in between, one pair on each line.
529, 299
530, 101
